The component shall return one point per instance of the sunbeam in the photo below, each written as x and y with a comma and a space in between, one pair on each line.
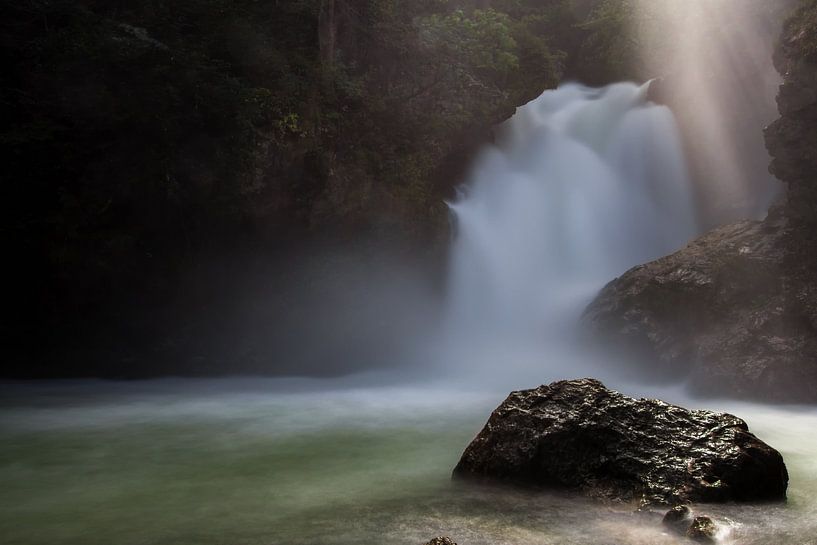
722, 86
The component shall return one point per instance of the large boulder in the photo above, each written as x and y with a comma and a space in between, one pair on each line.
732, 312
580, 435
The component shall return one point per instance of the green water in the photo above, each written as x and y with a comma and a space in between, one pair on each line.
269, 462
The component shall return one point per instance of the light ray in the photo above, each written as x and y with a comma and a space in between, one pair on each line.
721, 82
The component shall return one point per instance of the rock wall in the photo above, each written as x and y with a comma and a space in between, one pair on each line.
792, 139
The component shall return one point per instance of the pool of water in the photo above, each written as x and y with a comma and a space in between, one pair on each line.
264, 461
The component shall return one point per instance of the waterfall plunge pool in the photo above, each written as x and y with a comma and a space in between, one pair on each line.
273, 461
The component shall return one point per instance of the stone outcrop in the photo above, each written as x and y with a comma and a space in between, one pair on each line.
580, 435
728, 312
736, 310
792, 139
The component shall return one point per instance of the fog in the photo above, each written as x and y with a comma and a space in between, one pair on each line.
320, 311
360, 370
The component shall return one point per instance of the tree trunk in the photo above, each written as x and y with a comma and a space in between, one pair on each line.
327, 33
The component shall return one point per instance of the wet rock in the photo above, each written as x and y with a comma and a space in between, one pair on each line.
681, 521
678, 519
441, 541
580, 435
792, 139
703, 530
730, 312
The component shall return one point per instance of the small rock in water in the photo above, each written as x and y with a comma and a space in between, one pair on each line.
703, 530
441, 541
682, 521
678, 519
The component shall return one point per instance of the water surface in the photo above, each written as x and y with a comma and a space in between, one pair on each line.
263, 461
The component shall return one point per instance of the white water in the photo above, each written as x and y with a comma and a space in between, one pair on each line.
583, 184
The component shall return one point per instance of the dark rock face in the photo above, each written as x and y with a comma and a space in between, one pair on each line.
580, 435
792, 139
727, 311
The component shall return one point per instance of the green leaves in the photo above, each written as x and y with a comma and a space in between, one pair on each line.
481, 41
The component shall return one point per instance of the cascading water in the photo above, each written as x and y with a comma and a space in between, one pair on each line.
584, 184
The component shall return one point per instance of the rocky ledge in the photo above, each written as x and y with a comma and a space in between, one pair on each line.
580, 435
730, 312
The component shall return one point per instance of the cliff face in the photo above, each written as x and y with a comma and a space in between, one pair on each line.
735, 311
792, 139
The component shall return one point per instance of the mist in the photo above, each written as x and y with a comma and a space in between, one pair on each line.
327, 312
337, 234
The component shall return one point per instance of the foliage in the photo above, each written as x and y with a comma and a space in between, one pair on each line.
611, 51
802, 26
143, 137
413, 80
642, 39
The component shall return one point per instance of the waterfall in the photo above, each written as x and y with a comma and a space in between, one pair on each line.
582, 184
